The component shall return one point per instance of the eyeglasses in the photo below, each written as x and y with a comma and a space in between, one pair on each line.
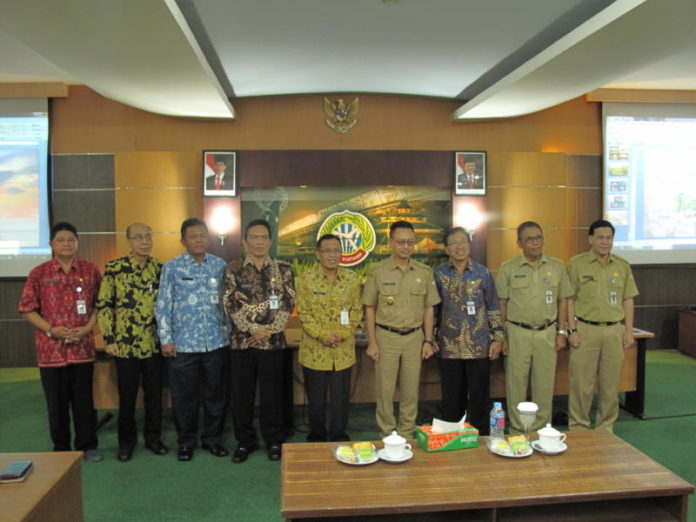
331, 251
405, 242
141, 237
65, 240
532, 239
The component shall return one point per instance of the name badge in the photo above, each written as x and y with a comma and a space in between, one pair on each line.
470, 308
549, 297
613, 298
214, 298
273, 303
81, 307
345, 319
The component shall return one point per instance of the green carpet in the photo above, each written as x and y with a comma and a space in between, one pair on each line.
152, 488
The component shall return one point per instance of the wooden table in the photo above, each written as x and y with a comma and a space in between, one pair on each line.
51, 493
599, 477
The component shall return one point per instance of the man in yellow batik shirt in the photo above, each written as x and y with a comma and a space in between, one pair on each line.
328, 301
126, 313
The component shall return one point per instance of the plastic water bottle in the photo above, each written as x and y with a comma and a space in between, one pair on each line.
497, 421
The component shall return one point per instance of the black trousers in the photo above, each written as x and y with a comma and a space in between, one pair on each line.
130, 373
466, 388
70, 388
267, 367
201, 375
335, 384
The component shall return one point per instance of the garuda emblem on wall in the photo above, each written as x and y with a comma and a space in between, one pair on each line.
341, 117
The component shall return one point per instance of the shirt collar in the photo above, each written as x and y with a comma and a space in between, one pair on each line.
189, 259
524, 261
394, 264
319, 272
249, 261
595, 258
468, 266
134, 263
56, 267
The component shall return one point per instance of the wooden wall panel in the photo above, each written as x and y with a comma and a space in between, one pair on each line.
87, 122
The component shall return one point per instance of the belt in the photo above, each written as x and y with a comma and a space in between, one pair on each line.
532, 327
397, 331
595, 323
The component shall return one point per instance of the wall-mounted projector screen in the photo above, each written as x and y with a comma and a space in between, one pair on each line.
650, 181
24, 196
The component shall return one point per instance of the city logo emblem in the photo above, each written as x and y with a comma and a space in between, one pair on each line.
356, 233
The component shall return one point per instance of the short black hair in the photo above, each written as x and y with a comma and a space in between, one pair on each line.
400, 224
451, 231
524, 226
63, 225
220, 159
601, 223
192, 222
255, 223
327, 237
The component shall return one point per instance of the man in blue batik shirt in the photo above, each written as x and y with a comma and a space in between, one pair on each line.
469, 332
193, 330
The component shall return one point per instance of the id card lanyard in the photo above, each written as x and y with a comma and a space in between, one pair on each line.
273, 299
81, 304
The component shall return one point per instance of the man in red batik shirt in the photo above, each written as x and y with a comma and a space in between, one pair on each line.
58, 300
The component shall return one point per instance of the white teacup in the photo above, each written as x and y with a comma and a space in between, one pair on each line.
550, 439
395, 446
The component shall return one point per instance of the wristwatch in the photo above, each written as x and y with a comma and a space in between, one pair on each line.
572, 331
562, 332
48, 332
429, 341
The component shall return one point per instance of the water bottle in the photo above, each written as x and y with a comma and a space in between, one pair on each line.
497, 421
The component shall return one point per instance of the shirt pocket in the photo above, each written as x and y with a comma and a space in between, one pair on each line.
418, 289
388, 292
588, 288
519, 282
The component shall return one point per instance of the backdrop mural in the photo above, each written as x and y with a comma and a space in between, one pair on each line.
360, 216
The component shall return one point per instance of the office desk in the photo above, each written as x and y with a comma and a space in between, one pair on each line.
599, 477
51, 493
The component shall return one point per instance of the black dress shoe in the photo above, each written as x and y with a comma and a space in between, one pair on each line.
242, 453
124, 454
275, 451
216, 449
157, 447
185, 454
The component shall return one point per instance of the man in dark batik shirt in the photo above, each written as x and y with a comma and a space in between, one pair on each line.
469, 332
258, 295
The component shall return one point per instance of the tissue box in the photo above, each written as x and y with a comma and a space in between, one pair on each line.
429, 441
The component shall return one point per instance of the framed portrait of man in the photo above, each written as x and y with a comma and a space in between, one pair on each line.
219, 173
470, 173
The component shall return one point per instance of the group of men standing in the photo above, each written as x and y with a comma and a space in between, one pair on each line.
221, 328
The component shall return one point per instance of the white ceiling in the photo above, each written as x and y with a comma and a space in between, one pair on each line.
501, 58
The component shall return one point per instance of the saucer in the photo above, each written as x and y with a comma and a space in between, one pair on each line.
561, 448
526, 454
365, 463
408, 455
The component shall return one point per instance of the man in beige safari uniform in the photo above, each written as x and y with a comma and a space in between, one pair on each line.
532, 291
604, 290
399, 297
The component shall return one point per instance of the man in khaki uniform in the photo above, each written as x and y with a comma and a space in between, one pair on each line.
399, 296
532, 291
604, 290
